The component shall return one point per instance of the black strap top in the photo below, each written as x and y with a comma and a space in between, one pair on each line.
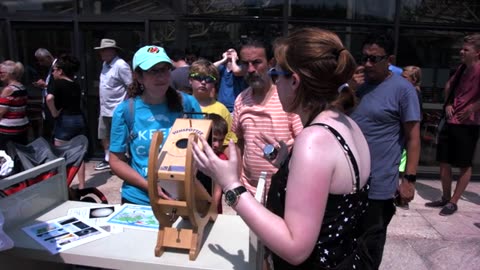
337, 242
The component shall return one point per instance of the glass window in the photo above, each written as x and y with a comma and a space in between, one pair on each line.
440, 11
157, 7
46, 6
351, 36
436, 52
3, 42
376, 10
210, 39
236, 7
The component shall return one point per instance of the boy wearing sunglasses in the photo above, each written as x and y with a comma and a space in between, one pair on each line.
203, 78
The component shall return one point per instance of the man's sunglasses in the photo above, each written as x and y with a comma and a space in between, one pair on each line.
273, 73
200, 78
372, 58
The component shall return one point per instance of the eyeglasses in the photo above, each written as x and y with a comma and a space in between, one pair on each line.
372, 58
157, 71
273, 73
200, 78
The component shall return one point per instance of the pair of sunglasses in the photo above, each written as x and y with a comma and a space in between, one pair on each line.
273, 73
200, 78
372, 58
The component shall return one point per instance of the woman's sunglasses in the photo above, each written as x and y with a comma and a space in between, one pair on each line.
200, 78
273, 73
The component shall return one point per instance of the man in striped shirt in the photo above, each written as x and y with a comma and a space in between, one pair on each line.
258, 110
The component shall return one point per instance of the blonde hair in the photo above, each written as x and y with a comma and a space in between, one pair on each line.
415, 74
15, 69
318, 57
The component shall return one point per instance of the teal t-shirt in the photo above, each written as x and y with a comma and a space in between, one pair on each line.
148, 119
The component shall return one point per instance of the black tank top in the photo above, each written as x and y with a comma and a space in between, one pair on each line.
337, 244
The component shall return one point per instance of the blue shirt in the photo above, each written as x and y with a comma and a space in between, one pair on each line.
382, 110
230, 87
148, 119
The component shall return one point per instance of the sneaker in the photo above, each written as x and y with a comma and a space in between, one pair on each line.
440, 203
102, 166
448, 209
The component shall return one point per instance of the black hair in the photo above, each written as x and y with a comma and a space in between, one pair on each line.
68, 64
175, 54
258, 42
383, 40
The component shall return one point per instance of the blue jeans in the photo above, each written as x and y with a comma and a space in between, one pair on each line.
69, 126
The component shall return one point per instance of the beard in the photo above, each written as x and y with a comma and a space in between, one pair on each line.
255, 81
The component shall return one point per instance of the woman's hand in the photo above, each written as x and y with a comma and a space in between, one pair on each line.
280, 146
224, 172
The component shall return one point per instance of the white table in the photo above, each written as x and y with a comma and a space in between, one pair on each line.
226, 246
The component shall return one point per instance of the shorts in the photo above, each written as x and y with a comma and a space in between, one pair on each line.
104, 127
457, 146
69, 126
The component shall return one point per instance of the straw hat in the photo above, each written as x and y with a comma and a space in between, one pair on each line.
107, 43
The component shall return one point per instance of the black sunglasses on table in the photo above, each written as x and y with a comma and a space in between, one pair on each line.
273, 73
372, 58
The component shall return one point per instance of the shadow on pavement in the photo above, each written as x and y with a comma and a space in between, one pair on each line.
427, 192
98, 179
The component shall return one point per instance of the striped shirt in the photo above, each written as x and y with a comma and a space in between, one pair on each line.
249, 119
14, 120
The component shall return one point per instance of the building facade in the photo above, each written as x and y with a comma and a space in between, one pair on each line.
427, 34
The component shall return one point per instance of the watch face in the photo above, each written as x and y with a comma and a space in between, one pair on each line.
269, 152
230, 197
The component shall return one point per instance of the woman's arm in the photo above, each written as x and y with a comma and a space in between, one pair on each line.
119, 165
6, 92
293, 237
51, 105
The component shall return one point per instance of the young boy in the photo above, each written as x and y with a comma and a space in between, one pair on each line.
203, 77
219, 131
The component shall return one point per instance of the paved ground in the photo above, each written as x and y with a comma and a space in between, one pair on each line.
418, 238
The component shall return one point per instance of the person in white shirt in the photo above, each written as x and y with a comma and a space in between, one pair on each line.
45, 59
115, 78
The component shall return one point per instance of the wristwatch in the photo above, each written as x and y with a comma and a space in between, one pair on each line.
270, 152
412, 178
231, 196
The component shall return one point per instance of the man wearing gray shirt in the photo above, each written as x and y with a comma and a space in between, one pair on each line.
115, 78
389, 116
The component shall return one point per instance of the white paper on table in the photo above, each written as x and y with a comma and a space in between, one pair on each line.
64, 233
98, 215
135, 216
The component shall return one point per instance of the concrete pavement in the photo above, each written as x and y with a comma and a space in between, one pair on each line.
418, 238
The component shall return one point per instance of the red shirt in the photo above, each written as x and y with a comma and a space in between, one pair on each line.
467, 93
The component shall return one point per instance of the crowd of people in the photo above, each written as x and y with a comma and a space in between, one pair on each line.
338, 138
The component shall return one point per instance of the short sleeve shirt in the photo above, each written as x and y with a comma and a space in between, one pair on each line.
382, 110
249, 119
148, 119
114, 81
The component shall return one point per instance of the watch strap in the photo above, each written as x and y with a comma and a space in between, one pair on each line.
412, 178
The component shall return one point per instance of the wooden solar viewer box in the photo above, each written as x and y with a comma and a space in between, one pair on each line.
172, 167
